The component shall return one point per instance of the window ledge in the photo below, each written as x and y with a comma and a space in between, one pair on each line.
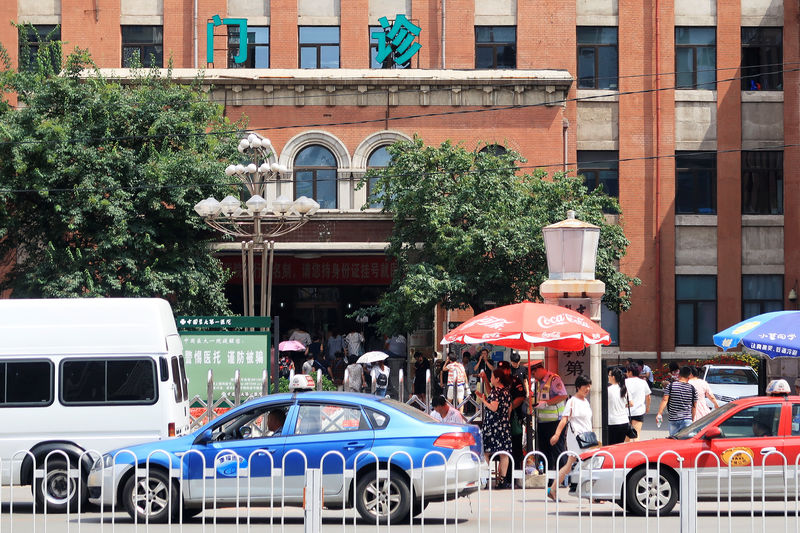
762, 220
350, 214
695, 220
598, 95
695, 95
762, 96
698, 351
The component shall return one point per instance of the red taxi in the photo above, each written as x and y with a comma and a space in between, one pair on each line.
750, 445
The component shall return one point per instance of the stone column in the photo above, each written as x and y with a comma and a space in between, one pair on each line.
553, 292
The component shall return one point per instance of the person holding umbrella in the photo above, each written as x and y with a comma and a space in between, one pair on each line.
380, 376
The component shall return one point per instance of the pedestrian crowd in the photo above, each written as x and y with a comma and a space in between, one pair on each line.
337, 358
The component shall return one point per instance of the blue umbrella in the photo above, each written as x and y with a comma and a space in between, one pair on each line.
775, 334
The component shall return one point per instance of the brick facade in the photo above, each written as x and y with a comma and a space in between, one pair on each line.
644, 121
729, 165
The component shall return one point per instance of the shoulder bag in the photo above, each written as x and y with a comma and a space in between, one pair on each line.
630, 432
586, 439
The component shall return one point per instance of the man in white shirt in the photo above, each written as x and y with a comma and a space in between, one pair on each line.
380, 377
639, 395
444, 412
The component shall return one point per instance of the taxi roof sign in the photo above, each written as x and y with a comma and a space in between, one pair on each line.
301, 382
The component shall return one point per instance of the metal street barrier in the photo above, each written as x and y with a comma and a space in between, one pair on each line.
740, 489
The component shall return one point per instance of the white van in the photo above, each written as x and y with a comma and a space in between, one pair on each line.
84, 374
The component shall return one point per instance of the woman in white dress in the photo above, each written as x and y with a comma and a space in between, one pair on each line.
578, 417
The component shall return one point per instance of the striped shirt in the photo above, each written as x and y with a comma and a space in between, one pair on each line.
682, 397
456, 374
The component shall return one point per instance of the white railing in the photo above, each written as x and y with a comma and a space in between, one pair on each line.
743, 491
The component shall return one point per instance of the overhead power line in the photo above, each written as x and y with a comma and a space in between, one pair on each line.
382, 118
288, 181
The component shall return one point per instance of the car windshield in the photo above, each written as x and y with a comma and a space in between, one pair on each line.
731, 376
407, 409
701, 423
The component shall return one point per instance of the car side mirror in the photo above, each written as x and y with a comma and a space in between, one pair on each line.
204, 438
712, 433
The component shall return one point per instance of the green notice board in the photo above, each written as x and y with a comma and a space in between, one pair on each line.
206, 348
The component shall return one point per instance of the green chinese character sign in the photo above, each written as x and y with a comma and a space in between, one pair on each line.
397, 40
241, 57
206, 348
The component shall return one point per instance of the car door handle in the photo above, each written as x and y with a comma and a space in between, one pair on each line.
350, 446
770, 449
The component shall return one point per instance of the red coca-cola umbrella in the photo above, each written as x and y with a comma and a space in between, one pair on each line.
529, 325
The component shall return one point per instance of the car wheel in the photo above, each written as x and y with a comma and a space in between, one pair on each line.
58, 489
382, 498
651, 496
149, 497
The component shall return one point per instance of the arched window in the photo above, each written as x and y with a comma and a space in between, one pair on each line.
494, 149
377, 159
315, 175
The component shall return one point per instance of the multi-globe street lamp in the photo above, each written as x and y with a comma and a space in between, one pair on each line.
258, 221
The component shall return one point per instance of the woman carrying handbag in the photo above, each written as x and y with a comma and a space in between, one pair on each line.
578, 415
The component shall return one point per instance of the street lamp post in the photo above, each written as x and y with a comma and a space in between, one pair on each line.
571, 249
257, 222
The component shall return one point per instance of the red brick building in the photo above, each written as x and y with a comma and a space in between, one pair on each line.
688, 111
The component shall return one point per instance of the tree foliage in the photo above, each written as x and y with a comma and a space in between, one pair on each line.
468, 231
98, 181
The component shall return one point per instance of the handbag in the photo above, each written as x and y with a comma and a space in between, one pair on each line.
587, 439
630, 431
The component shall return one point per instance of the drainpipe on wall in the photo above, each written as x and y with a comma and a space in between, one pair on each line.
444, 32
194, 34
565, 141
658, 183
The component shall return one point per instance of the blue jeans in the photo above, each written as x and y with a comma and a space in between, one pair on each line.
677, 425
380, 392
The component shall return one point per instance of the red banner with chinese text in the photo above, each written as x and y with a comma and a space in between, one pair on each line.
324, 270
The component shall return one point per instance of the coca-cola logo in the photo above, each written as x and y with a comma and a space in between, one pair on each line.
561, 319
491, 322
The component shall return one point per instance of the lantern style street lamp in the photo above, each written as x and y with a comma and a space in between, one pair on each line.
571, 248
257, 222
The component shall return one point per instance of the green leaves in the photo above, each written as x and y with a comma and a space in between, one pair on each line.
468, 230
113, 212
